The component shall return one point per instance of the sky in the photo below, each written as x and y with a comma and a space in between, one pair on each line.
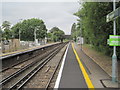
59, 14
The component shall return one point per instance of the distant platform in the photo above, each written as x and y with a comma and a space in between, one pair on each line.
25, 50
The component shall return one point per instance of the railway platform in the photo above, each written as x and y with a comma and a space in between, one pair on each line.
74, 69
13, 58
25, 50
42, 63
80, 71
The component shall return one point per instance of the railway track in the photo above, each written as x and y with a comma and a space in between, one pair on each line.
46, 78
14, 82
52, 76
29, 55
26, 62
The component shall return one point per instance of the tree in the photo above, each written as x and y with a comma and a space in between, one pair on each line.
49, 35
6, 30
60, 35
1, 32
74, 31
27, 29
16, 29
95, 29
6, 25
57, 34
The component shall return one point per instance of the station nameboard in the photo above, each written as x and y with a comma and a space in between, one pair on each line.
80, 40
114, 40
113, 15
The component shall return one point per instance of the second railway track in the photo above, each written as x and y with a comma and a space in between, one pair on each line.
11, 60
18, 79
7, 72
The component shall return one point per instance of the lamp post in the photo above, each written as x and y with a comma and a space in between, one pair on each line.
35, 36
19, 34
81, 34
20, 31
76, 33
114, 57
46, 37
35, 40
81, 39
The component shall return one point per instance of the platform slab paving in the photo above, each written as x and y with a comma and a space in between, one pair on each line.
72, 76
96, 73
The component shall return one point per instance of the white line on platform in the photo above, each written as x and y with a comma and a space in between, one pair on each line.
61, 69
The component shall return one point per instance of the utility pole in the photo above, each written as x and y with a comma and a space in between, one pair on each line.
81, 35
75, 29
35, 36
35, 40
114, 57
19, 29
19, 34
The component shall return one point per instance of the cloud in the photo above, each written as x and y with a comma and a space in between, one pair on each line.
52, 13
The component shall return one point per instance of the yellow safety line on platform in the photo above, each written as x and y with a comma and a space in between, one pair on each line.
86, 76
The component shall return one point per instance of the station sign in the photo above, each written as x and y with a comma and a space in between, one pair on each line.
113, 15
80, 40
114, 40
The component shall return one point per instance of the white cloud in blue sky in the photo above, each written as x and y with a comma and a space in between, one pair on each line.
58, 14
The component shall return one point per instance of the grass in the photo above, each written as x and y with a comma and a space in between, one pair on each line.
91, 47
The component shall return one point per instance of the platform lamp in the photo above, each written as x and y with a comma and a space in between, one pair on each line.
36, 28
81, 31
19, 29
114, 57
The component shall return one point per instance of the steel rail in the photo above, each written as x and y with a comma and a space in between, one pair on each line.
18, 85
4, 69
22, 70
47, 86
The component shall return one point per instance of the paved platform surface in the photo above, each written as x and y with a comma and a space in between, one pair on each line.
72, 76
96, 73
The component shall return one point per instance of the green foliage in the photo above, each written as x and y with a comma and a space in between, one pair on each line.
16, 29
95, 29
74, 31
6, 25
57, 34
27, 29
6, 34
1, 32
49, 35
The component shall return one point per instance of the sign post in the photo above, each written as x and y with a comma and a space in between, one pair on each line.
114, 40
114, 57
113, 15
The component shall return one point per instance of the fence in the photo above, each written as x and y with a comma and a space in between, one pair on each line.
15, 44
